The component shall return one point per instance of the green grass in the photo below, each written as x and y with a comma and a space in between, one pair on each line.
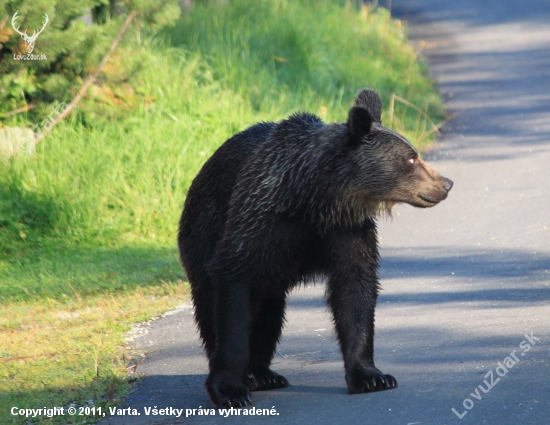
121, 182
308, 54
56, 352
110, 182
60, 272
88, 222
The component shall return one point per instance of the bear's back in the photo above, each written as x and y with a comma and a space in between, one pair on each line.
291, 173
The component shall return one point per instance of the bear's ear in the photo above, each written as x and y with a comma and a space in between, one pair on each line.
359, 124
370, 100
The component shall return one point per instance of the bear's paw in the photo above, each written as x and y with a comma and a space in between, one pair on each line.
369, 380
228, 392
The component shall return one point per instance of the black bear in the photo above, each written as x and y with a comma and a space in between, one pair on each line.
279, 204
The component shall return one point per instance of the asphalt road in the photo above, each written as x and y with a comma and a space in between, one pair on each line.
463, 282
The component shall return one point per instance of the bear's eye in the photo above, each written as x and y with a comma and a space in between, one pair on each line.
412, 160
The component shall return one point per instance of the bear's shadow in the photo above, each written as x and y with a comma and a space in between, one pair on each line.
185, 391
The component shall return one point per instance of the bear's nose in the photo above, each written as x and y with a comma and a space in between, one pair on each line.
447, 184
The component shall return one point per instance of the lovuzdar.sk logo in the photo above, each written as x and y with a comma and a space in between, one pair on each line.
29, 39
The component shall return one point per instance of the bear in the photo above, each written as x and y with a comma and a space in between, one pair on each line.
279, 205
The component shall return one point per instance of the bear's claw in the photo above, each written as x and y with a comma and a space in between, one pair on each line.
369, 384
265, 380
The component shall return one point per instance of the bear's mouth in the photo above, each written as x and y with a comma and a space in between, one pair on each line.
428, 200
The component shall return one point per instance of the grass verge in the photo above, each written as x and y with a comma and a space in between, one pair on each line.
71, 350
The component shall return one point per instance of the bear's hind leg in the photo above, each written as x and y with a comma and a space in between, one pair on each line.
226, 381
203, 297
264, 335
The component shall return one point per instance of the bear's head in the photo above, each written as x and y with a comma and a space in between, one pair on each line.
389, 168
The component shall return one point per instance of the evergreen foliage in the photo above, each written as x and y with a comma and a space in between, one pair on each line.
72, 47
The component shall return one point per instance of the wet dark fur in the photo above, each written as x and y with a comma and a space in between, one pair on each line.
278, 204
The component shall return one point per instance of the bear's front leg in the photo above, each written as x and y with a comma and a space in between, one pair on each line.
226, 382
353, 310
352, 293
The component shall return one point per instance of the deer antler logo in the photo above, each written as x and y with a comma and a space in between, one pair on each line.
29, 39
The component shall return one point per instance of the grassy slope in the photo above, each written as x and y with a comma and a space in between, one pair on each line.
87, 224
311, 55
